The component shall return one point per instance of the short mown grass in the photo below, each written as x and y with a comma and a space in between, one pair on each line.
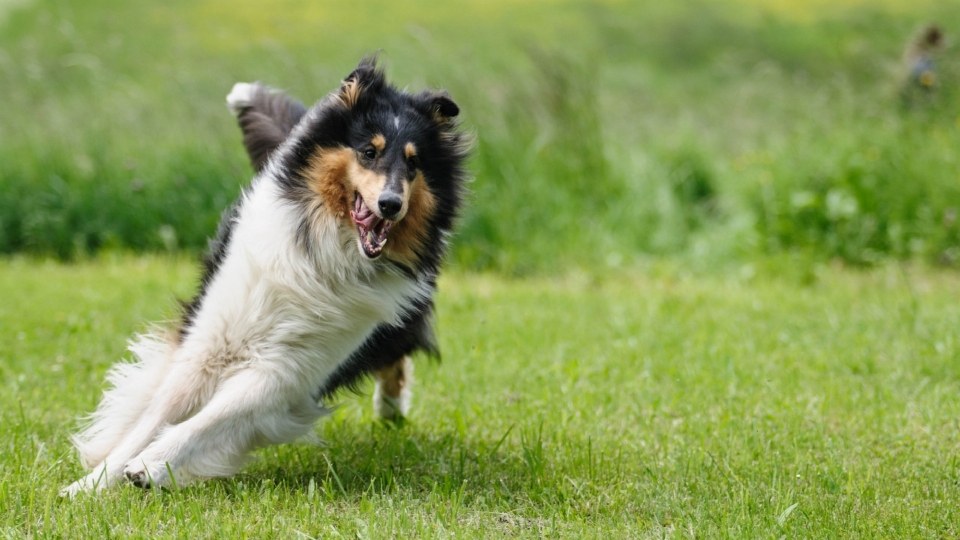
650, 403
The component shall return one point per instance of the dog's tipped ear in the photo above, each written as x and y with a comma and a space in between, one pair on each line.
439, 105
367, 77
444, 105
266, 117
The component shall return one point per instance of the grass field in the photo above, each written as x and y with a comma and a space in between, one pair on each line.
641, 404
651, 326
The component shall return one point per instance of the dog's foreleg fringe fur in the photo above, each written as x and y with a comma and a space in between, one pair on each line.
131, 386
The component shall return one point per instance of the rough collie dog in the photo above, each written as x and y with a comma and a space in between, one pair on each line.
320, 273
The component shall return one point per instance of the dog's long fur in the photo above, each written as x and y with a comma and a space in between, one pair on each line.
323, 271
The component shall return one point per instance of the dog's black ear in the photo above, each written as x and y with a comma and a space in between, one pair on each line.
439, 105
444, 105
266, 117
365, 79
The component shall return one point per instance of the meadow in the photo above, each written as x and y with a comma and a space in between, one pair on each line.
653, 404
705, 286
607, 131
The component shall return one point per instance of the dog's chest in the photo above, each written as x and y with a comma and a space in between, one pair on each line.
274, 303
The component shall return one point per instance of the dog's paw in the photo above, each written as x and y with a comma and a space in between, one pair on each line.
388, 408
95, 481
75, 489
146, 475
240, 97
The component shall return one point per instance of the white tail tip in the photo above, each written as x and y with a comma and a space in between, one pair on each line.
240, 97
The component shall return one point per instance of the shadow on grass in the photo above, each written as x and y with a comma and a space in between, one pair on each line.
409, 459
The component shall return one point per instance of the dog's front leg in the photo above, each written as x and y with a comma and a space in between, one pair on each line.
170, 400
248, 410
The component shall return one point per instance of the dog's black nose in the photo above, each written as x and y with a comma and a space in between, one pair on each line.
390, 204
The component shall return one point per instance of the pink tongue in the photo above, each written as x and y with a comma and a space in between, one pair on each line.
363, 216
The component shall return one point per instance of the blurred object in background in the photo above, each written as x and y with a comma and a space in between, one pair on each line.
919, 62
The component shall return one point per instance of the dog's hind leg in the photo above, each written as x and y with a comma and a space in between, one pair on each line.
387, 355
392, 395
248, 410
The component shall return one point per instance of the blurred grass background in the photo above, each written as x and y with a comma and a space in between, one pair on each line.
716, 130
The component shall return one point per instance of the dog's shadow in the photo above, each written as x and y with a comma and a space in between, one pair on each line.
380, 458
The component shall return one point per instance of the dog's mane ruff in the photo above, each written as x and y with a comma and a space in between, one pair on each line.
449, 167
264, 272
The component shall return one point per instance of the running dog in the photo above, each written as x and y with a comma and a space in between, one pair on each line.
322, 272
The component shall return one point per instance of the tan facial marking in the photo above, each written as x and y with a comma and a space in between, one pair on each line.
408, 235
335, 174
409, 150
365, 182
379, 142
326, 176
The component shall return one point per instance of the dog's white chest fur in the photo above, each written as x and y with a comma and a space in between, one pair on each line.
271, 303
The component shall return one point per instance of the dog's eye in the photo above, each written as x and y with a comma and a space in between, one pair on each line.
413, 162
370, 153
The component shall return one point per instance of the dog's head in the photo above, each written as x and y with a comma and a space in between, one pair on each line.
386, 163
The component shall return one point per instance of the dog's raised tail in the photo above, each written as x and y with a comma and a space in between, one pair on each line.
266, 116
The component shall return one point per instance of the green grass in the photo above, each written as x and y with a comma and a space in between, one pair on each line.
650, 403
607, 131
587, 389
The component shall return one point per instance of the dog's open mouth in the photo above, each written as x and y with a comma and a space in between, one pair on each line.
372, 228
